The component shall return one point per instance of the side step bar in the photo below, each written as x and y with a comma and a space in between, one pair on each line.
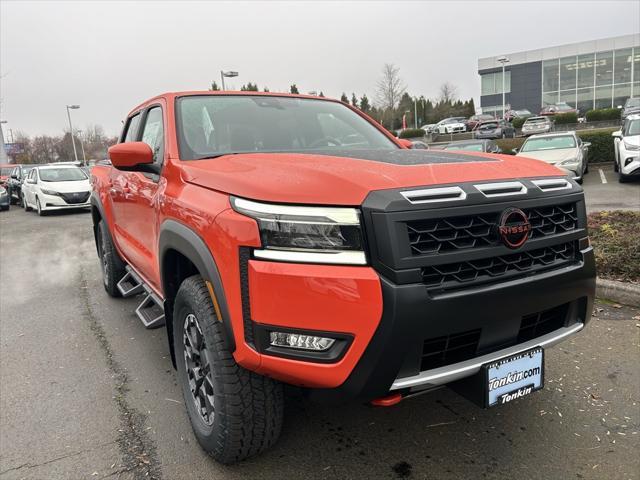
150, 311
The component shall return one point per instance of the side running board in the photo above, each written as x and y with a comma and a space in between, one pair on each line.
150, 311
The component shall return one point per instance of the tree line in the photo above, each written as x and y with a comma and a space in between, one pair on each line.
392, 101
59, 148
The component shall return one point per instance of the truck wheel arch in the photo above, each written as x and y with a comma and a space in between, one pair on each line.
178, 239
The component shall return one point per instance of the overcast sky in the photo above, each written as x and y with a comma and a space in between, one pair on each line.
110, 56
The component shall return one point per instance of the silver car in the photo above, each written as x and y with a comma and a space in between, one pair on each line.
564, 150
533, 125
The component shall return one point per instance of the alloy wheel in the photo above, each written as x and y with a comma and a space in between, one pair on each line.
197, 360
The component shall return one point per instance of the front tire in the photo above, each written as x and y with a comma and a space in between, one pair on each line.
234, 412
41, 213
25, 205
110, 262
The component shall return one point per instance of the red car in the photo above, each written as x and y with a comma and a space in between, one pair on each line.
558, 108
475, 120
5, 172
289, 239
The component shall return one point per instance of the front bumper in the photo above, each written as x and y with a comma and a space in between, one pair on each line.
4, 200
55, 202
629, 161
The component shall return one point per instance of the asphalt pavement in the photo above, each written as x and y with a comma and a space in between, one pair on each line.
604, 192
87, 393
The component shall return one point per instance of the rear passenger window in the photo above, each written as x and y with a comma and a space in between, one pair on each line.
132, 129
153, 133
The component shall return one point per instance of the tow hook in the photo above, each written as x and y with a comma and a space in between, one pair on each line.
388, 401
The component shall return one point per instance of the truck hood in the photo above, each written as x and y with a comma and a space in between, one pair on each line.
551, 156
311, 178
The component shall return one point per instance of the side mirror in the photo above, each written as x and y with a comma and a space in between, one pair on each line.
619, 106
14, 176
586, 144
129, 155
405, 143
31, 180
617, 134
515, 150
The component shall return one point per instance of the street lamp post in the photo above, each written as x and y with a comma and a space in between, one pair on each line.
228, 74
415, 113
503, 60
84, 157
72, 107
3, 152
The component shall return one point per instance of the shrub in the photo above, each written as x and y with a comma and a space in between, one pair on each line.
564, 118
412, 133
508, 144
603, 114
602, 147
615, 236
518, 122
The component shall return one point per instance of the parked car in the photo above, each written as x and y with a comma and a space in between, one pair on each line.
451, 125
352, 278
55, 187
495, 129
16, 179
486, 146
430, 128
627, 149
5, 201
565, 150
475, 120
510, 115
533, 125
560, 107
419, 145
631, 107
5, 172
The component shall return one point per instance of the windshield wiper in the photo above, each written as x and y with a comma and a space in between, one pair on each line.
217, 155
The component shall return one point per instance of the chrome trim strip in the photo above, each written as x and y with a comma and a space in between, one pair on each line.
441, 194
490, 189
337, 257
551, 184
449, 373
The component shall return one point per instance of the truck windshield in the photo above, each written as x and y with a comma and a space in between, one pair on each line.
548, 143
214, 125
62, 175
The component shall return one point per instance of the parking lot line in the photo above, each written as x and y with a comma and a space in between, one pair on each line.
602, 177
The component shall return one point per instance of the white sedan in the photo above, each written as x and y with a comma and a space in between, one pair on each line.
450, 125
627, 149
56, 187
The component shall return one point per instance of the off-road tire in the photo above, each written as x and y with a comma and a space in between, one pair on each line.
247, 407
113, 268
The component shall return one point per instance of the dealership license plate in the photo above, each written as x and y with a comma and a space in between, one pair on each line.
514, 377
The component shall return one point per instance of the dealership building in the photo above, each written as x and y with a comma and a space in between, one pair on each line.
595, 74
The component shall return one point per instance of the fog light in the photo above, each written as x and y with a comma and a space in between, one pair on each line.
305, 342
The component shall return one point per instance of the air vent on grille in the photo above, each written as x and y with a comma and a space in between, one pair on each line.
441, 351
501, 189
429, 237
541, 323
551, 184
499, 268
432, 195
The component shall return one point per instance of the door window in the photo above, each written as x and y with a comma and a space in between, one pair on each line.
153, 134
132, 128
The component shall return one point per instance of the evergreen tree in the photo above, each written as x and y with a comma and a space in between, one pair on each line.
321, 94
354, 100
344, 98
294, 88
365, 106
214, 87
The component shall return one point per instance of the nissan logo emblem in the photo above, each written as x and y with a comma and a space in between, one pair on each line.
513, 227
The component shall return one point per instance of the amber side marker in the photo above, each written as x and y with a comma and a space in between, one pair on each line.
389, 401
216, 307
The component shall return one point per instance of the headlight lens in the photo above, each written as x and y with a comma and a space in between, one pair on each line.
306, 234
49, 192
571, 161
629, 146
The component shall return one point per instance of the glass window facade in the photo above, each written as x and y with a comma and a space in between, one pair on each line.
491, 83
595, 80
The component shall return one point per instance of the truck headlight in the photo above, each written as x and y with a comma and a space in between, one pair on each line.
631, 147
306, 234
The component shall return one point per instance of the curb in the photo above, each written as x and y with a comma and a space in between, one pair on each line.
620, 292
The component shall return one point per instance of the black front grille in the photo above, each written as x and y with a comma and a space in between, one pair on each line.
77, 197
440, 235
458, 347
541, 323
441, 351
460, 274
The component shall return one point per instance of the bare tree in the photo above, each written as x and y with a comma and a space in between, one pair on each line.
448, 93
390, 87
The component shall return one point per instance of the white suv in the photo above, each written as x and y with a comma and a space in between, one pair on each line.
56, 187
627, 148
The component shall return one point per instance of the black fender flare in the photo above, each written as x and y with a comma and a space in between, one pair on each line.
177, 236
97, 203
